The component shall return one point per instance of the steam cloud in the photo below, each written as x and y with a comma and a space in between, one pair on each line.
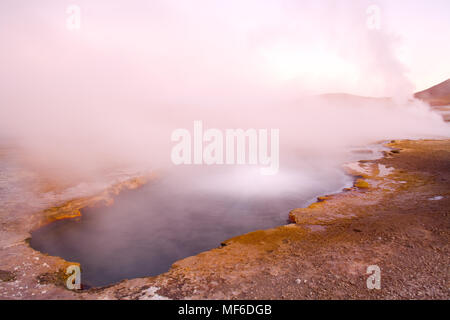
109, 94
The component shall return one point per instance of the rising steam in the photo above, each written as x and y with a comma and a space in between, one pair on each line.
109, 94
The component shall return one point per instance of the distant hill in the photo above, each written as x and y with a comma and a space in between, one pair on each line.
350, 97
438, 95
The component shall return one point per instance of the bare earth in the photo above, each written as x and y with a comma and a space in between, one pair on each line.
396, 217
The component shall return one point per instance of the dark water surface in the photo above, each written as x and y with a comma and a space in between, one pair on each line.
178, 215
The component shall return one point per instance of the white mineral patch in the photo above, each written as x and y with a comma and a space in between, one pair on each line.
436, 198
151, 294
356, 166
384, 171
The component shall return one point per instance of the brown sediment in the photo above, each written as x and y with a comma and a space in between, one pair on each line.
71, 209
386, 219
7, 276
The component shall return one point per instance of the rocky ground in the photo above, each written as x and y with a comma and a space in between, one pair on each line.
396, 217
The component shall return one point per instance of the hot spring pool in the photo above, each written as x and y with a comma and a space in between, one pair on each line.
182, 213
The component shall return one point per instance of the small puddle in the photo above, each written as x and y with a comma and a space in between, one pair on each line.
315, 227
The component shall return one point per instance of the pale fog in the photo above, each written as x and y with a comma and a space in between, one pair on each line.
87, 106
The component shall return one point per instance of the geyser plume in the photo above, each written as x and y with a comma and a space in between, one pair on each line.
110, 94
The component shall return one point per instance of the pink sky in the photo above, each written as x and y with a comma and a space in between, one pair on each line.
301, 46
